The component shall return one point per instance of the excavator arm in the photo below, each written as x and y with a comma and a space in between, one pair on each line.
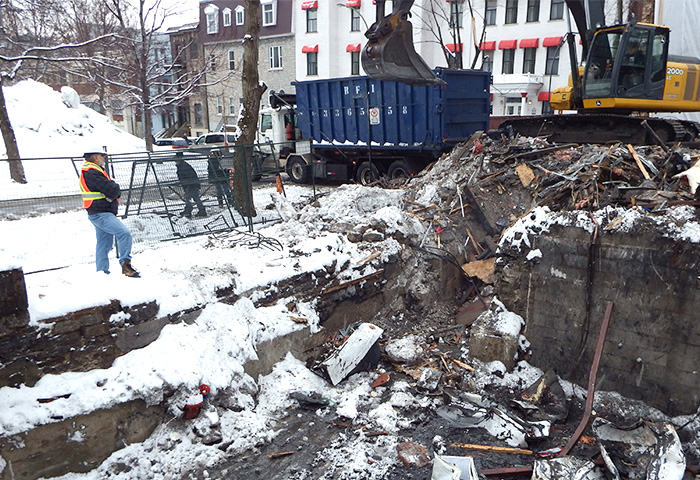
389, 53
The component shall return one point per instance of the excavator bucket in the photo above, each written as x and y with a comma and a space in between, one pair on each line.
390, 55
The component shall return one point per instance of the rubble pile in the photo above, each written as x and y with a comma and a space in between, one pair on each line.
455, 381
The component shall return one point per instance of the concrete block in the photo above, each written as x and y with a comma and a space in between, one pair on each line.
490, 341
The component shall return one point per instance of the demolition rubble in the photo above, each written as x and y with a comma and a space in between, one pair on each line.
460, 373
482, 334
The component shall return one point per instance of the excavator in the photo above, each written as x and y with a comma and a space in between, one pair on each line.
389, 53
628, 73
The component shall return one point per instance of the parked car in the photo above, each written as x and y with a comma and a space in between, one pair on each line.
216, 139
227, 140
169, 143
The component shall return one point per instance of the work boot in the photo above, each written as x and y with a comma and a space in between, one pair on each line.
128, 270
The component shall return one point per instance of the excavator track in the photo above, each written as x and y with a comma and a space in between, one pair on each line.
603, 128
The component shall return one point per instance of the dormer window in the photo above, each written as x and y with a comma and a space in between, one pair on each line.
240, 15
227, 17
211, 12
269, 13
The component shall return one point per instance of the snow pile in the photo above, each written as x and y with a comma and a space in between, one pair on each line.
677, 223
46, 126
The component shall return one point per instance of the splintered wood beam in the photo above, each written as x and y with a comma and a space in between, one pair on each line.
351, 282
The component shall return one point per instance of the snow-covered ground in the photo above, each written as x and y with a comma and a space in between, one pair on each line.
185, 274
178, 275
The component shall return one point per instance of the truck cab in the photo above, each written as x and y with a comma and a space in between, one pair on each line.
277, 131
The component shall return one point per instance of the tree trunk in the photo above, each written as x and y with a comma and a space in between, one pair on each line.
8, 135
248, 123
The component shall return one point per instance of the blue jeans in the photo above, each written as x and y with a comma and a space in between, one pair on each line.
107, 227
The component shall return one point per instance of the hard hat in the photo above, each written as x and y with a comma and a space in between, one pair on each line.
95, 149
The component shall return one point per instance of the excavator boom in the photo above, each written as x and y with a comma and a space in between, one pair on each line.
389, 53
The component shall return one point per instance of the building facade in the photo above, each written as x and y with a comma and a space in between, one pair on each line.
519, 41
220, 34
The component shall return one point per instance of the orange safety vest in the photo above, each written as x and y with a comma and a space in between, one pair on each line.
88, 196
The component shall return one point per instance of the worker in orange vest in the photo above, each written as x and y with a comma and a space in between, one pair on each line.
100, 198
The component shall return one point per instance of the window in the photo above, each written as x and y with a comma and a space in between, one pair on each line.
514, 105
194, 50
212, 61
354, 19
456, 13
219, 105
529, 55
227, 17
198, 114
508, 61
212, 14
231, 60
546, 108
276, 57
240, 15
490, 16
557, 10
231, 106
312, 63
552, 65
269, 13
533, 10
487, 61
511, 11
354, 63
311, 20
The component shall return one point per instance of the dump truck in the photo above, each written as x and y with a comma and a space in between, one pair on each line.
359, 128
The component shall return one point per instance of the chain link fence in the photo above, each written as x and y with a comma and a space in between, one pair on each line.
152, 193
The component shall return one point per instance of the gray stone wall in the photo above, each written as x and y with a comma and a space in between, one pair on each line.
79, 341
652, 349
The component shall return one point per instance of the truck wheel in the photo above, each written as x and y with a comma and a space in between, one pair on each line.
298, 170
366, 174
400, 169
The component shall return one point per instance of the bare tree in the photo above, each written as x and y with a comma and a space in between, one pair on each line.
248, 121
445, 22
29, 43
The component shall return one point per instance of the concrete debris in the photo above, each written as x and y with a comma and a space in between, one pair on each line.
407, 350
495, 335
453, 468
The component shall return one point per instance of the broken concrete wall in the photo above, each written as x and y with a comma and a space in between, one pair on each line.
78, 444
652, 350
78, 341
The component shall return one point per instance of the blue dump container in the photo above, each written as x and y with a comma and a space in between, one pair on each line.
360, 110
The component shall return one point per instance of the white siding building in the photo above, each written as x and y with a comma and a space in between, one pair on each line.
520, 42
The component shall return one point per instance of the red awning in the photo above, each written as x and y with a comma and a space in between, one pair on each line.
488, 46
309, 49
529, 43
544, 96
507, 44
353, 3
309, 5
551, 41
353, 47
451, 47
